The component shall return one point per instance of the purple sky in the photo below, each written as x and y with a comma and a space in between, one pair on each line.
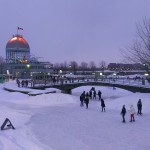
79, 30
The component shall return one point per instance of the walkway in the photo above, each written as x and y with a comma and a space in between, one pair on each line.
12, 87
66, 86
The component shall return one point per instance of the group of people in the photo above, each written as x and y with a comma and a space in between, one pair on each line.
23, 83
85, 96
132, 111
92, 94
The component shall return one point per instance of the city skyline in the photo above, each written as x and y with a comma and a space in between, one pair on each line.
73, 30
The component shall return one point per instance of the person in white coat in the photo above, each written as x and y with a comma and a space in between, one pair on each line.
132, 112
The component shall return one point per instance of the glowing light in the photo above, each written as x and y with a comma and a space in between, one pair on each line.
146, 74
13, 39
20, 39
28, 65
7, 72
60, 71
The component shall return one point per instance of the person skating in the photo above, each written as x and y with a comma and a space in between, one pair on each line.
123, 113
90, 94
99, 94
94, 94
139, 106
132, 112
103, 105
81, 100
87, 94
86, 101
83, 94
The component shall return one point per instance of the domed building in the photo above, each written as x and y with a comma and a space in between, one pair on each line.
20, 63
17, 50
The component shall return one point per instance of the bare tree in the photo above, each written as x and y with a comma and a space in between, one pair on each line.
57, 67
65, 66
74, 66
92, 66
84, 66
102, 66
139, 50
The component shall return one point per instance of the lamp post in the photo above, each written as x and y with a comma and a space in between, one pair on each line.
28, 65
69, 69
101, 75
28, 71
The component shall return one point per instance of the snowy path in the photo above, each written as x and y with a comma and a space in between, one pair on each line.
74, 128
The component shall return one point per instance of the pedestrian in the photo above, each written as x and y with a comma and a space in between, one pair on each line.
18, 82
123, 113
87, 94
103, 105
86, 101
139, 106
22, 83
94, 94
132, 112
90, 94
81, 100
99, 94
26, 82
83, 94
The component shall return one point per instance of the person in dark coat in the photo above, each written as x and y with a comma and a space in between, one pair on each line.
26, 83
94, 94
22, 83
99, 95
86, 101
139, 106
81, 100
18, 82
87, 94
123, 113
90, 94
83, 94
103, 105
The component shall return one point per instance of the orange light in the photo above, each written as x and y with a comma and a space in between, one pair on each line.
13, 39
18, 39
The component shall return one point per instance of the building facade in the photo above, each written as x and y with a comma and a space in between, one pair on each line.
21, 64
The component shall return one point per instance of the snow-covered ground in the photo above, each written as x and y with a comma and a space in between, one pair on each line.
56, 121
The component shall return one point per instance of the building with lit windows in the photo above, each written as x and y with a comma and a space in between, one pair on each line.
20, 63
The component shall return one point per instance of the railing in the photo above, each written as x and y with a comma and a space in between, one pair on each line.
121, 81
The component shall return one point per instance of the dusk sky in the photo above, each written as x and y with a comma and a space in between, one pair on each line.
73, 30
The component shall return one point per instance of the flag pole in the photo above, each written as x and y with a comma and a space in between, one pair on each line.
17, 31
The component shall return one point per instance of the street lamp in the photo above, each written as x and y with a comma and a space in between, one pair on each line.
28, 72
28, 65
146, 74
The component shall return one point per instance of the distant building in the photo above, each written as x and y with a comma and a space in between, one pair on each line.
20, 63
